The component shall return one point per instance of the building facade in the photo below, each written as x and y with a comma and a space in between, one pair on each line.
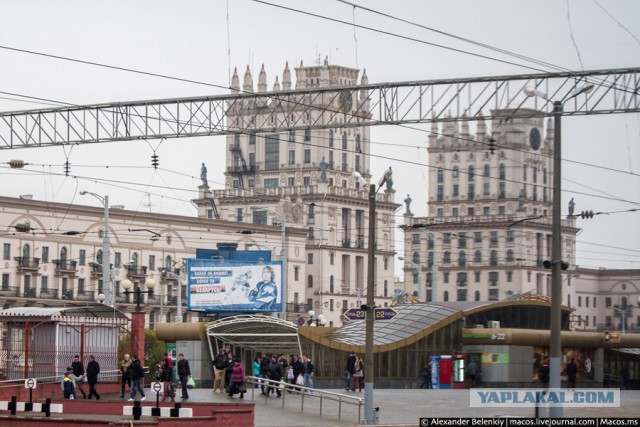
52, 254
488, 233
309, 179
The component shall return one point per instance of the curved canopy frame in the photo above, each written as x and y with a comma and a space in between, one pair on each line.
256, 333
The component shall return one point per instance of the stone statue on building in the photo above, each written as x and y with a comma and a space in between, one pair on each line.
521, 199
572, 207
323, 169
389, 180
407, 201
203, 175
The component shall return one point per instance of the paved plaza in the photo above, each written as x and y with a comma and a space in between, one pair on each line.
397, 407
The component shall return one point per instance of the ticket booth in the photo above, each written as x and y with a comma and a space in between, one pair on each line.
445, 375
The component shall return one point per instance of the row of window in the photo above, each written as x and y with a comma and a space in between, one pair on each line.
462, 236
307, 138
82, 256
462, 277
461, 295
502, 173
462, 257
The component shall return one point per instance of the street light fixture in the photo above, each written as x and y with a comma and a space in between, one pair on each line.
283, 256
318, 321
173, 275
420, 284
149, 284
106, 245
555, 343
624, 310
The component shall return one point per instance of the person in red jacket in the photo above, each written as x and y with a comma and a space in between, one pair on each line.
237, 379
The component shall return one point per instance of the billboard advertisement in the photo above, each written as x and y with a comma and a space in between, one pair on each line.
237, 287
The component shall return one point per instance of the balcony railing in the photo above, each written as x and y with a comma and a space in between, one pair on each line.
9, 290
25, 263
65, 267
48, 293
136, 272
297, 307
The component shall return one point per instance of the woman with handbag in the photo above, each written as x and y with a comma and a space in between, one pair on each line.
237, 380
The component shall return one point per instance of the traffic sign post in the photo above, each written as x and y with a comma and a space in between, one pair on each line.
157, 386
30, 383
383, 313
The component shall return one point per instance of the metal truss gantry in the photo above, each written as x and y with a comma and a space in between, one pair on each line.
615, 91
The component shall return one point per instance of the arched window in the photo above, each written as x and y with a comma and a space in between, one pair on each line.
134, 260
477, 256
510, 257
472, 172
168, 263
331, 284
462, 259
358, 148
309, 281
416, 257
344, 141
446, 296
430, 259
477, 295
99, 257
26, 251
487, 170
455, 173
310, 234
447, 257
63, 254
494, 257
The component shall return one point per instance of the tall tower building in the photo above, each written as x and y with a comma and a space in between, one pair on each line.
307, 178
488, 232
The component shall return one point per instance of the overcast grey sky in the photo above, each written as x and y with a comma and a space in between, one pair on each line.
205, 40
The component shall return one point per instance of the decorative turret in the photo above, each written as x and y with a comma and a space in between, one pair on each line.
248, 81
262, 80
464, 132
276, 85
481, 130
235, 81
550, 129
286, 77
301, 77
364, 81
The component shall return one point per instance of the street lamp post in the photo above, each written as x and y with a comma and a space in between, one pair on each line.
106, 245
149, 284
370, 307
283, 257
420, 284
624, 310
555, 343
179, 296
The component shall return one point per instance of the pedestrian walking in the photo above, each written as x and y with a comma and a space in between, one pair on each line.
68, 387
256, 370
298, 369
125, 371
571, 370
184, 372
309, 369
276, 371
426, 375
472, 371
264, 371
543, 373
228, 370
166, 376
237, 380
358, 375
137, 374
351, 369
219, 368
93, 369
77, 374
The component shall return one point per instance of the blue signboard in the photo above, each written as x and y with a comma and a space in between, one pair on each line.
238, 287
